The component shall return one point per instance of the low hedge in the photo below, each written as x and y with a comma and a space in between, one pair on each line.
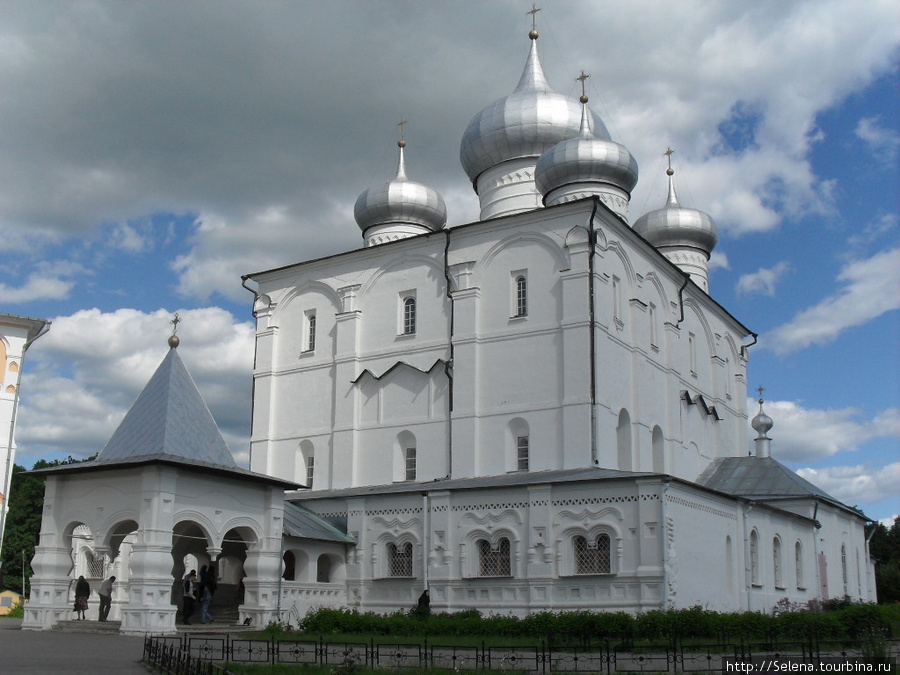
849, 621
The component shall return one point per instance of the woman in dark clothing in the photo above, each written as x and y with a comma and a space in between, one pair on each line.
82, 593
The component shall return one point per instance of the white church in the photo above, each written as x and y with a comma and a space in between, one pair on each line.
541, 410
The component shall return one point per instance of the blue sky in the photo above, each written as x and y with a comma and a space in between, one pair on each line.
151, 153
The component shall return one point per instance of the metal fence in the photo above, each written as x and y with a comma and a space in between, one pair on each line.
193, 653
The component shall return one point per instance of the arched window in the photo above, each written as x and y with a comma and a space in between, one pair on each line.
521, 296
593, 557
411, 463
310, 331
798, 564
289, 566
659, 450
405, 455
400, 560
522, 453
494, 560
776, 562
323, 569
844, 566
623, 441
729, 567
754, 558
409, 316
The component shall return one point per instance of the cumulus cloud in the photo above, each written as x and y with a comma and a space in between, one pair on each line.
855, 485
871, 288
152, 111
805, 434
764, 280
883, 142
85, 373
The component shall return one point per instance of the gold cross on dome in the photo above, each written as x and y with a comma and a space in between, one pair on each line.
402, 125
534, 10
175, 321
760, 389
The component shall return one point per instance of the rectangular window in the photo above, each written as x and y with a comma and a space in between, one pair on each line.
309, 344
494, 559
654, 340
410, 464
310, 466
400, 560
522, 453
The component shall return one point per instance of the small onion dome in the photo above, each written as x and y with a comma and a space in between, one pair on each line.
762, 423
675, 225
529, 121
584, 161
401, 202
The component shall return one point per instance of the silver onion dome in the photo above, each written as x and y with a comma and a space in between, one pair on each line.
675, 225
402, 202
586, 160
532, 119
762, 423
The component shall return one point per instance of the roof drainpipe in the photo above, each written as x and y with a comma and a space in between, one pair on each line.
426, 538
244, 280
591, 327
687, 278
448, 366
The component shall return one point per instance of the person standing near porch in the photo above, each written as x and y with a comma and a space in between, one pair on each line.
82, 593
105, 594
189, 597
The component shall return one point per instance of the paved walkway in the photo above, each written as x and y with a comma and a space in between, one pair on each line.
27, 651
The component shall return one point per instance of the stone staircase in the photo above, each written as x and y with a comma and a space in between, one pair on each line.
88, 626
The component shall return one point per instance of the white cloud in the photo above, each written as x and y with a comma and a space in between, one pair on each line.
37, 287
855, 485
124, 111
872, 287
804, 434
763, 280
85, 373
884, 143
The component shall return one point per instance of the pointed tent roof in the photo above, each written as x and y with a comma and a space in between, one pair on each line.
168, 422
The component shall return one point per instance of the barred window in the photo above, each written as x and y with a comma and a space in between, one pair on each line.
409, 316
494, 558
410, 463
593, 557
95, 565
311, 332
522, 453
521, 296
400, 560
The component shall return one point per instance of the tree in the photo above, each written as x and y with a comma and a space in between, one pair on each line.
884, 547
23, 523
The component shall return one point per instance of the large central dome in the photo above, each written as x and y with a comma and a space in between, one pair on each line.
521, 126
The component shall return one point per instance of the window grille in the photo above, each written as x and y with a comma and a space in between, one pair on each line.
310, 467
494, 558
311, 333
400, 560
521, 296
522, 453
410, 464
409, 316
593, 557
95, 565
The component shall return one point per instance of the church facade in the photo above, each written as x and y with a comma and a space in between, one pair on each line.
541, 410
